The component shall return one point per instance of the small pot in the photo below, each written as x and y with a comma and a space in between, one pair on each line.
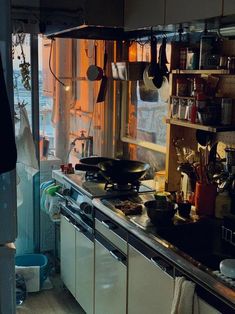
160, 216
94, 73
184, 209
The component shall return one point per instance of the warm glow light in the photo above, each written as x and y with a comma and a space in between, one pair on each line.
66, 88
132, 52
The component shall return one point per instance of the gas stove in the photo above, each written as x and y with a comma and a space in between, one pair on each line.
77, 192
104, 189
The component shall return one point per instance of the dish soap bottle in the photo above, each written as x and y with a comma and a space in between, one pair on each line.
222, 204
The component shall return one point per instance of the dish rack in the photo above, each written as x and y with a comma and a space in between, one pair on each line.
228, 229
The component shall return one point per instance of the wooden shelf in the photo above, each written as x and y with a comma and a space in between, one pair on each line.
215, 71
209, 128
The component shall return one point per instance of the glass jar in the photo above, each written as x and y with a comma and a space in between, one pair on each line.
198, 86
159, 178
181, 87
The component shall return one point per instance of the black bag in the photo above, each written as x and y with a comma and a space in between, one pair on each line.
8, 154
20, 289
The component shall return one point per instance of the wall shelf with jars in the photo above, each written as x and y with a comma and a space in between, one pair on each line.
206, 72
208, 128
202, 98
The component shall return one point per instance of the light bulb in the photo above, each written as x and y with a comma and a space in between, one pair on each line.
66, 88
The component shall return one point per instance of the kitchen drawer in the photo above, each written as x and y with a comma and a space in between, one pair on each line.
111, 231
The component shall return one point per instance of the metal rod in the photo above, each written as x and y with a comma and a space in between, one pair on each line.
35, 131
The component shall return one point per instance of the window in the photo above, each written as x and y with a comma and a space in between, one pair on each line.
144, 110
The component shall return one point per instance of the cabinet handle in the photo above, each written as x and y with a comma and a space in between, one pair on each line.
66, 218
162, 264
117, 255
60, 195
78, 229
108, 224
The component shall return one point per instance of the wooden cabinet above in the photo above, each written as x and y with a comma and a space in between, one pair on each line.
229, 7
139, 14
185, 11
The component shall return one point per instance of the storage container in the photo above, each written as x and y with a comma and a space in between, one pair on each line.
32, 260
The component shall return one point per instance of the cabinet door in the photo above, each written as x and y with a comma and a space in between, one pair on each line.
229, 7
67, 253
185, 11
84, 272
110, 282
205, 308
150, 289
139, 13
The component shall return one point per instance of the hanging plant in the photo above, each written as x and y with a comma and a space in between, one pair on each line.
25, 73
24, 65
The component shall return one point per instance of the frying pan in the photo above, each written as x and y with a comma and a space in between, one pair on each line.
164, 89
152, 68
91, 163
116, 170
123, 171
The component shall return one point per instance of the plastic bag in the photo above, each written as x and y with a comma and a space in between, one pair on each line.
25, 145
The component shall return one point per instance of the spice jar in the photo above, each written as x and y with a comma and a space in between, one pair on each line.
198, 86
160, 178
181, 87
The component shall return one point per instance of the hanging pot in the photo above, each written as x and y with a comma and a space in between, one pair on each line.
147, 94
94, 72
104, 81
164, 90
150, 70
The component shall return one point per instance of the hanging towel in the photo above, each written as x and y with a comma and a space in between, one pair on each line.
25, 145
44, 202
185, 299
8, 154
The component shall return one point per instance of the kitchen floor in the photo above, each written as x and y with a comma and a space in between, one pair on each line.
56, 300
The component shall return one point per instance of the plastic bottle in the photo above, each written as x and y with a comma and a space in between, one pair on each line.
222, 204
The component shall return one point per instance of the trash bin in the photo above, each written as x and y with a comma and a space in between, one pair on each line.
34, 268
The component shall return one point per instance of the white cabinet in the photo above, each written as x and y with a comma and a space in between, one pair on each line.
67, 259
229, 7
205, 308
110, 266
186, 11
150, 289
110, 281
139, 13
77, 262
84, 271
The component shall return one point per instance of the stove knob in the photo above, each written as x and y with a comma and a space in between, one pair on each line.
86, 208
66, 192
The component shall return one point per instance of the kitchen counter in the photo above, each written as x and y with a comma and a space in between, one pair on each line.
190, 266
181, 244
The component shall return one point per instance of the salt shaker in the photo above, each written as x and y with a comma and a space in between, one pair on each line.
226, 111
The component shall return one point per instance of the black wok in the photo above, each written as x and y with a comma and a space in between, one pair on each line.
123, 171
90, 164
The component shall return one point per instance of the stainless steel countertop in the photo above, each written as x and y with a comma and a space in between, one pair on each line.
195, 270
